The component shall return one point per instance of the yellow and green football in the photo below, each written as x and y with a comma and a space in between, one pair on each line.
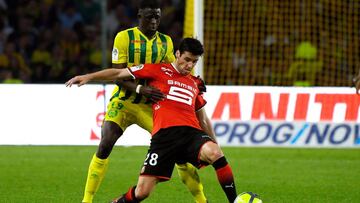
248, 197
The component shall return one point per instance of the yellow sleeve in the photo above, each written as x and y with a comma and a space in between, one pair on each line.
170, 57
120, 48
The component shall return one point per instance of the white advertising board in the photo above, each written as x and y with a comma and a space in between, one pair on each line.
56, 115
241, 116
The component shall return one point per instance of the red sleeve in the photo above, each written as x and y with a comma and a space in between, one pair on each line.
200, 102
142, 71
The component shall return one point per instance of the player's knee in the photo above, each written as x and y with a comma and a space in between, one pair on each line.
110, 132
215, 155
141, 193
213, 152
109, 135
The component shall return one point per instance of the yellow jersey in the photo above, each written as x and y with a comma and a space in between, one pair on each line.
131, 46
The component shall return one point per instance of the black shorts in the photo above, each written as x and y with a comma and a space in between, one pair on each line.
179, 144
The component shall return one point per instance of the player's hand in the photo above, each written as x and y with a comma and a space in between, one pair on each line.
79, 80
356, 81
152, 93
200, 83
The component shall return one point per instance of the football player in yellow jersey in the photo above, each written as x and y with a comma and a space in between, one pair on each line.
129, 105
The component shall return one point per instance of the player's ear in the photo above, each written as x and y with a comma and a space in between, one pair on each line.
177, 54
139, 13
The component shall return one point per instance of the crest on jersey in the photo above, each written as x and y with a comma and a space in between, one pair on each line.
115, 54
136, 68
167, 71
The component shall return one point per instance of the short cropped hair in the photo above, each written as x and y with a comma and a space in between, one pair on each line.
191, 45
153, 4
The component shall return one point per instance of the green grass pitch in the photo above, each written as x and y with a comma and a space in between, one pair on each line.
39, 174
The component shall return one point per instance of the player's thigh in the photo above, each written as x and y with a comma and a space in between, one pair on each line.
196, 154
159, 162
161, 156
121, 113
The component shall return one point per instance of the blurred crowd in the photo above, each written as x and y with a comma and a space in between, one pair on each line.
282, 42
48, 41
301, 43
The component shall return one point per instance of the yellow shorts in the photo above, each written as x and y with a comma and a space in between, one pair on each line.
125, 113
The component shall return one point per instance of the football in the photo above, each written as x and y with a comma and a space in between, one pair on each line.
248, 197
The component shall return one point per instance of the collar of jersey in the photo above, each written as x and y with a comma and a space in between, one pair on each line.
155, 35
173, 65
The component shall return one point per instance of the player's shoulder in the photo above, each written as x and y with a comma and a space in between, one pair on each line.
192, 76
158, 65
125, 32
160, 34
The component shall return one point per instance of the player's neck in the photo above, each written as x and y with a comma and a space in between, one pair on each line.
148, 34
174, 64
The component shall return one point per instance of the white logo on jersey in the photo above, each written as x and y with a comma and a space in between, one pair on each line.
167, 71
136, 68
180, 95
115, 54
182, 85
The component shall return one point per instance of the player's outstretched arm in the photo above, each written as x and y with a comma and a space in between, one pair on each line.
106, 75
356, 81
149, 92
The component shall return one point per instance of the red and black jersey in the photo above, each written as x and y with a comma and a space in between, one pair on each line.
182, 95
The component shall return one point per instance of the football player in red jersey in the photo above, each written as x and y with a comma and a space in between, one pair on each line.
177, 136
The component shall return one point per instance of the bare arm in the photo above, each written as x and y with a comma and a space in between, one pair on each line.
110, 74
205, 123
128, 84
150, 92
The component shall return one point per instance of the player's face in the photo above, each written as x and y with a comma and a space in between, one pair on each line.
185, 62
149, 20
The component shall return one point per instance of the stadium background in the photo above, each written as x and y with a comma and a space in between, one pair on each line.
277, 43
255, 43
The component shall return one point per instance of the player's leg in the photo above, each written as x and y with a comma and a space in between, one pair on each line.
110, 133
211, 153
141, 191
187, 172
158, 166
189, 176
99, 163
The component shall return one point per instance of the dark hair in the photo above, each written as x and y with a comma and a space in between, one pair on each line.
191, 45
154, 4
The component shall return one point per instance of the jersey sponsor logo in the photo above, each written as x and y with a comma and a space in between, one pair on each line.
137, 41
180, 95
136, 68
167, 71
115, 54
182, 85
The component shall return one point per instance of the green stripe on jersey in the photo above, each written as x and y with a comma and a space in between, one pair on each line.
142, 49
164, 44
154, 51
131, 46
